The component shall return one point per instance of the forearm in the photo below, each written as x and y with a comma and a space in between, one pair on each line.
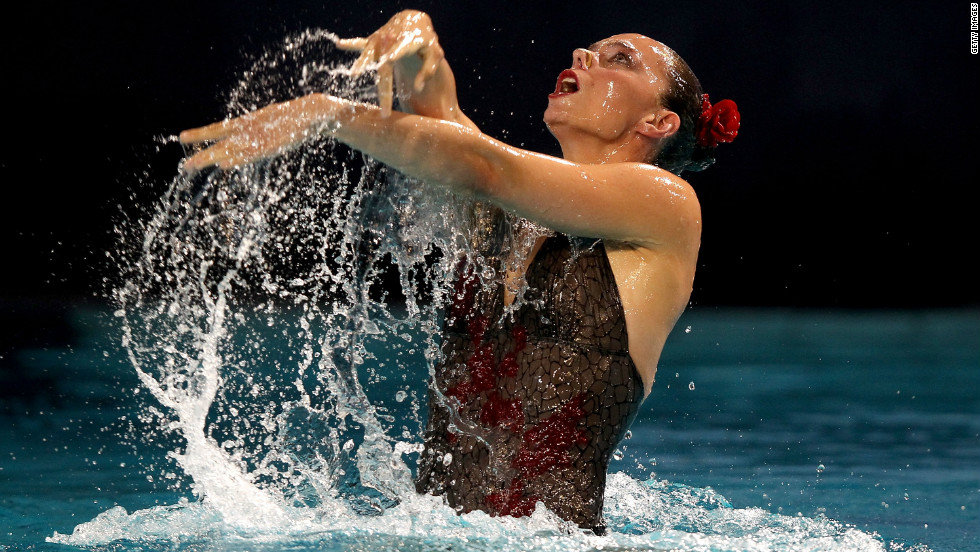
436, 151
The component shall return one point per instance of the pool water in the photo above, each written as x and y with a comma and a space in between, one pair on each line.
766, 430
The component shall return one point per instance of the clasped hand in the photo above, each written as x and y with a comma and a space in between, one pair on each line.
406, 35
406, 38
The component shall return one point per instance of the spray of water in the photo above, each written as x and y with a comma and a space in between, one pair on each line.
252, 299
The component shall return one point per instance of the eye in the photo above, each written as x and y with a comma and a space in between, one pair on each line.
621, 57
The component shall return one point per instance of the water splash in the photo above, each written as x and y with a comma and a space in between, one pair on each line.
253, 296
642, 515
260, 308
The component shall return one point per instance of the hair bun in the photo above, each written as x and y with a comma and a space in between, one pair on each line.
718, 123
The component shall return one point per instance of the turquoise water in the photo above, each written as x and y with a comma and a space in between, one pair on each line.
766, 430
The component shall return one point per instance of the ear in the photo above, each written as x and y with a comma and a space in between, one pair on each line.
659, 125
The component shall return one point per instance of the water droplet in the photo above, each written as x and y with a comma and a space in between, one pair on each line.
691, 386
629, 435
687, 329
400, 395
447, 459
820, 468
618, 454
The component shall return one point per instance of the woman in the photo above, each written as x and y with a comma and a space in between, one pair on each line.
539, 381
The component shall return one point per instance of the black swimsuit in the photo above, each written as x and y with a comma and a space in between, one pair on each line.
531, 404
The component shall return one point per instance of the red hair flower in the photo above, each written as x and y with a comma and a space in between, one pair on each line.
718, 123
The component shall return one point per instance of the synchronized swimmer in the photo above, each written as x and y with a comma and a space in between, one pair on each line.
528, 403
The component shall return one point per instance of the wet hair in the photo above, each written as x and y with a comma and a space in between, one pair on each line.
681, 152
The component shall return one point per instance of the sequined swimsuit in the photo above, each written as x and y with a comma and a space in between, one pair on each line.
533, 404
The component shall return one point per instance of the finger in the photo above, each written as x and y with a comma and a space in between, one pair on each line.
204, 159
351, 43
385, 94
431, 60
214, 131
227, 154
363, 61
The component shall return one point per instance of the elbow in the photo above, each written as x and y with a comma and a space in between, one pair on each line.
483, 178
477, 168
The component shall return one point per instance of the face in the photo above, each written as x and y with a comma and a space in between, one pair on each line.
611, 86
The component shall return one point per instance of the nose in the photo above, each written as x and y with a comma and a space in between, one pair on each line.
582, 58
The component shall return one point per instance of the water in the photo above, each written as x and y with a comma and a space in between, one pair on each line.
887, 402
258, 384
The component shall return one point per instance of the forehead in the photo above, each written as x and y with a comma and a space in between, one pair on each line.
652, 52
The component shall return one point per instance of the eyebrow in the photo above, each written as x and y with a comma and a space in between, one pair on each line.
594, 46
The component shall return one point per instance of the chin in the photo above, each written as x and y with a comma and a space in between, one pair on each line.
554, 114
552, 123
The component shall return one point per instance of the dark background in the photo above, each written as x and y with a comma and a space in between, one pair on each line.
851, 185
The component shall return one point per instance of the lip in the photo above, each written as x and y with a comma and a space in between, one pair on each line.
566, 74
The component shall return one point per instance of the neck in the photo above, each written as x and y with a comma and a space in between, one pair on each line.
588, 149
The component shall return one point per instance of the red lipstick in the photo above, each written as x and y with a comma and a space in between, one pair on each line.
567, 84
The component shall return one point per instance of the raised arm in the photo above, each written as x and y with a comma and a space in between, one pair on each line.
631, 202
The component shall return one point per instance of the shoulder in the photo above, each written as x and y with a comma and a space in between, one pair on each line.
667, 201
664, 183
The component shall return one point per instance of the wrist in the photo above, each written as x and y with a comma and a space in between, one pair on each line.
326, 112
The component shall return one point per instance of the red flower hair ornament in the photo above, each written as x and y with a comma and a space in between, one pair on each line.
718, 123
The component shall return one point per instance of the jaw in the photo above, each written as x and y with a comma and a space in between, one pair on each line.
578, 143
573, 118
583, 140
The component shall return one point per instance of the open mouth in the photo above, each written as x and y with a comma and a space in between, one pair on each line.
567, 83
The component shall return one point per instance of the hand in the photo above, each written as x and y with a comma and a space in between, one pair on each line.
263, 133
407, 33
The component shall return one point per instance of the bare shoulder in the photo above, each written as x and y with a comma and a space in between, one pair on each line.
666, 185
669, 205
